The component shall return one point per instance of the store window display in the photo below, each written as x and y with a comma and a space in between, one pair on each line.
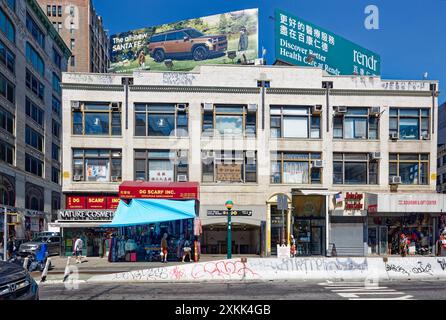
384, 234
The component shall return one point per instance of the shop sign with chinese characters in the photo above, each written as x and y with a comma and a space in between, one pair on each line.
302, 43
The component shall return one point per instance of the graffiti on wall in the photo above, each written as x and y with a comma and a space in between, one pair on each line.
419, 268
223, 270
312, 264
442, 263
143, 275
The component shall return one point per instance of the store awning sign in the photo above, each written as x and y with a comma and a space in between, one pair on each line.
85, 215
301, 43
220, 213
160, 190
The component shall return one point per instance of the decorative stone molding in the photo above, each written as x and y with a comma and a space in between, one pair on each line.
194, 89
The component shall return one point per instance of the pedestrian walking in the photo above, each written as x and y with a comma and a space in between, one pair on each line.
11, 247
164, 248
77, 251
187, 250
404, 245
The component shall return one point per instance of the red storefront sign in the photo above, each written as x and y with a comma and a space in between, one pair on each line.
96, 202
91, 202
112, 202
75, 202
353, 201
150, 190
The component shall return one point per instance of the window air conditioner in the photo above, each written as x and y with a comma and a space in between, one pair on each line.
395, 180
394, 136
115, 178
340, 109
181, 107
208, 154
182, 178
208, 107
115, 106
250, 154
425, 136
75, 105
375, 155
318, 164
252, 107
77, 178
317, 109
375, 111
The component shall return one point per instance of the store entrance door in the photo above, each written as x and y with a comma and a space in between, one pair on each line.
378, 240
316, 241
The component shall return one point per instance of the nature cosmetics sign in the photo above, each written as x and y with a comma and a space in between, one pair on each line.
302, 43
227, 38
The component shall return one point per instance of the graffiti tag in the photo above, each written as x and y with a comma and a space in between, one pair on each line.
442, 263
223, 270
422, 269
395, 268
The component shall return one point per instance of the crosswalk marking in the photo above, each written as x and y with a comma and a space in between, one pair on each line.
358, 290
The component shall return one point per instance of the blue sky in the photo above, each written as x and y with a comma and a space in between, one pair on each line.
411, 39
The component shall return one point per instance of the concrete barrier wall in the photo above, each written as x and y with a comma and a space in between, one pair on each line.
314, 268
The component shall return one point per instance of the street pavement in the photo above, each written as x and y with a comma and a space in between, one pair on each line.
271, 290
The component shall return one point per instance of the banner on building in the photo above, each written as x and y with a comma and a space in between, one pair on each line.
227, 38
301, 43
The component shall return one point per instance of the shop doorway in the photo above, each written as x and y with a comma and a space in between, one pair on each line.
378, 240
310, 236
245, 239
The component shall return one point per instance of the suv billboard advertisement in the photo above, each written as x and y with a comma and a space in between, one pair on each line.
227, 38
301, 43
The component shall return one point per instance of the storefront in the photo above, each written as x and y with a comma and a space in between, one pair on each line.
246, 235
146, 212
419, 216
84, 217
348, 217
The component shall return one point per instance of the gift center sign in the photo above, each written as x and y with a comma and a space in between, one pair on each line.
301, 43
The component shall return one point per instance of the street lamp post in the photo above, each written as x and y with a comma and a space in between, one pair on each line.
5, 230
229, 205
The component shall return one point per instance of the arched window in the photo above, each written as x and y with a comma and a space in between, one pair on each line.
7, 190
34, 199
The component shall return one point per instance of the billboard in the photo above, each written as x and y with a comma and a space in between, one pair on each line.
227, 38
302, 43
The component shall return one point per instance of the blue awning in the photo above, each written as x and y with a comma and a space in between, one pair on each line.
144, 211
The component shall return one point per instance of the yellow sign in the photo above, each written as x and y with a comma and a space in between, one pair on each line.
66, 175
433, 176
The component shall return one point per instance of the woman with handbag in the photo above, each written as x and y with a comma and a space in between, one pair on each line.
164, 248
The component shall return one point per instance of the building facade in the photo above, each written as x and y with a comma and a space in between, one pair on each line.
355, 156
83, 31
441, 157
32, 58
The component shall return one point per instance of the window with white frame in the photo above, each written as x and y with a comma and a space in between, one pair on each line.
356, 123
409, 123
296, 168
295, 122
413, 168
229, 120
161, 165
229, 166
97, 165
355, 168
161, 120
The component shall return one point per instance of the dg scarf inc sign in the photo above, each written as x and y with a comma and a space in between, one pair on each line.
301, 43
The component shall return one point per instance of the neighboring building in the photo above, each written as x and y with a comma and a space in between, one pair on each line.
32, 58
442, 124
441, 168
83, 31
356, 172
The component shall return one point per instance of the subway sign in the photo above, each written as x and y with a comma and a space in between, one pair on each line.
301, 43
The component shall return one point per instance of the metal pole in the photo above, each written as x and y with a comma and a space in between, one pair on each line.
229, 250
5, 233
283, 227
